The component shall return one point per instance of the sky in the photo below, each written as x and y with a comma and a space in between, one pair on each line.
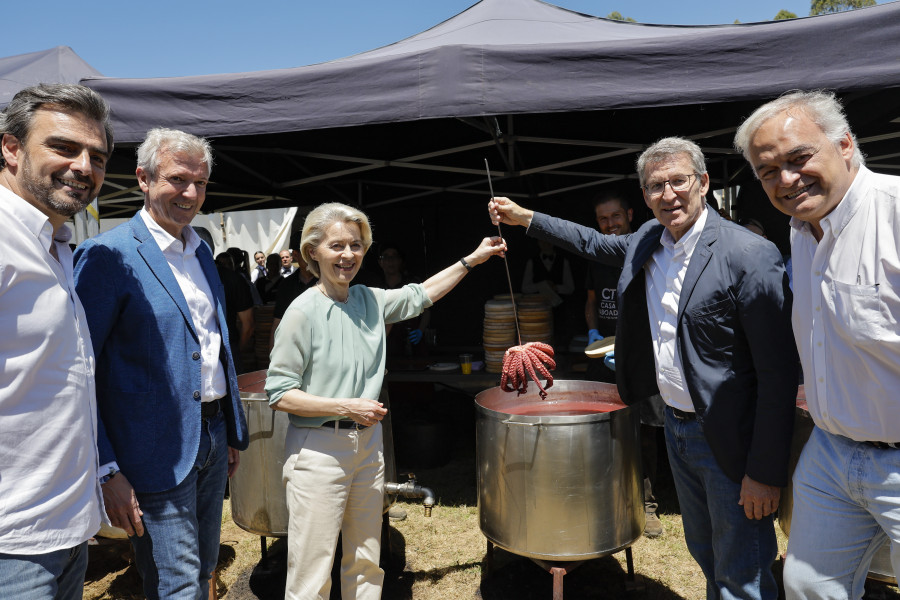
165, 38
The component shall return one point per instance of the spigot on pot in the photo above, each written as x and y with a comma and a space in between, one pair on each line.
411, 489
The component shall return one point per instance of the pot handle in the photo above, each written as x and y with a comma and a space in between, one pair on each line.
510, 422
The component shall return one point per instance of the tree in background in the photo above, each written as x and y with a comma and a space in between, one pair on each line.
617, 16
822, 7
784, 14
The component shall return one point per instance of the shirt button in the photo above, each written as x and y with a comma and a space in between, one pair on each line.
818, 273
196, 394
195, 355
818, 308
819, 344
821, 379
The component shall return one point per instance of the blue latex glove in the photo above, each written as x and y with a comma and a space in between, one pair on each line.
610, 361
415, 336
594, 336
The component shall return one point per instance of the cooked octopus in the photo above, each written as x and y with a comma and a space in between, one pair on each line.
527, 360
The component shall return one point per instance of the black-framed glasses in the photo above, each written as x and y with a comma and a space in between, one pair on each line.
678, 183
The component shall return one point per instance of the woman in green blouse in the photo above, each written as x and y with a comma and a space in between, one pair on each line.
326, 371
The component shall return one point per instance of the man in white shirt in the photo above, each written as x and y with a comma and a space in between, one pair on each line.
171, 420
287, 264
56, 140
845, 235
704, 322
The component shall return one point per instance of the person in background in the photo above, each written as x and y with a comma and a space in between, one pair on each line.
704, 313
406, 338
170, 415
260, 268
614, 216
549, 274
267, 286
287, 266
845, 235
293, 285
326, 371
55, 140
241, 262
238, 307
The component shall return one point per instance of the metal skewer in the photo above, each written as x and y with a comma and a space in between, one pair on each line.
512, 295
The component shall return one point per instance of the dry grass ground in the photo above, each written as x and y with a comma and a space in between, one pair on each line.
442, 557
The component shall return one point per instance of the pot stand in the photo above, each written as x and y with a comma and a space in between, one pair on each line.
560, 569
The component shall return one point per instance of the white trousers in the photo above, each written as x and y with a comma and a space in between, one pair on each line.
334, 480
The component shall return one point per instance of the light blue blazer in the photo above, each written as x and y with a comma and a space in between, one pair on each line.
148, 357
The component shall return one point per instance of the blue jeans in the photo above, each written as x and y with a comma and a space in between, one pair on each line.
58, 575
846, 505
734, 552
180, 546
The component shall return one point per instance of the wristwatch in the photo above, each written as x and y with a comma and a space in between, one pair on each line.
112, 473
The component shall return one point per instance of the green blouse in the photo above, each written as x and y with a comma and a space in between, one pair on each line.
337, 350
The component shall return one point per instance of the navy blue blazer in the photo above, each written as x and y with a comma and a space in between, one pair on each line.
734, 336
148, 357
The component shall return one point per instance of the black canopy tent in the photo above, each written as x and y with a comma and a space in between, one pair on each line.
559, 102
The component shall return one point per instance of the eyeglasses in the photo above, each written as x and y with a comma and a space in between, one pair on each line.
678, 183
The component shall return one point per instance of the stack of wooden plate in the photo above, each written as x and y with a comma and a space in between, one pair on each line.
499, 332
535, 325
535, 319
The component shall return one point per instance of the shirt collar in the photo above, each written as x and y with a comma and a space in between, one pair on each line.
33, 219
689, 240
838, 218
166, 241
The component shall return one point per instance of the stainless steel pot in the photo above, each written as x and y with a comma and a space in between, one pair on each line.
881, 568
258, 503
559, 479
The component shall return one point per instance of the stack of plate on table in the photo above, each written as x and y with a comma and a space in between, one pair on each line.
535, 325
499, 332
262, 320
535, 319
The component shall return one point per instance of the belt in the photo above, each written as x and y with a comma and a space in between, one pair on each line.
345, 424
683, 415
885, 445
208, 410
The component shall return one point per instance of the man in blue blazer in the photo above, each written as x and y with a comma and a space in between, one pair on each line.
170, 418
704, 320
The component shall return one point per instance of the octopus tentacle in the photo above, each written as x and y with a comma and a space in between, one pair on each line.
527, 361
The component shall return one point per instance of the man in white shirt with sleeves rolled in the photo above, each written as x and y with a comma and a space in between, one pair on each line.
55, 142
845, 231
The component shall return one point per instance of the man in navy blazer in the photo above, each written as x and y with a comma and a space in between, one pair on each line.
170, 418
704, 320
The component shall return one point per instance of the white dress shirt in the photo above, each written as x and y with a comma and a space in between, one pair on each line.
49, 494
256, 273
182, 258
664, 276
846, 308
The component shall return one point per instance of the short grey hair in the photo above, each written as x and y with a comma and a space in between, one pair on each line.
821, 106
667, 148
320, 219
175, 142
18, 117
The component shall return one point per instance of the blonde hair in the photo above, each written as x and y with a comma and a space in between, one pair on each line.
320, 219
